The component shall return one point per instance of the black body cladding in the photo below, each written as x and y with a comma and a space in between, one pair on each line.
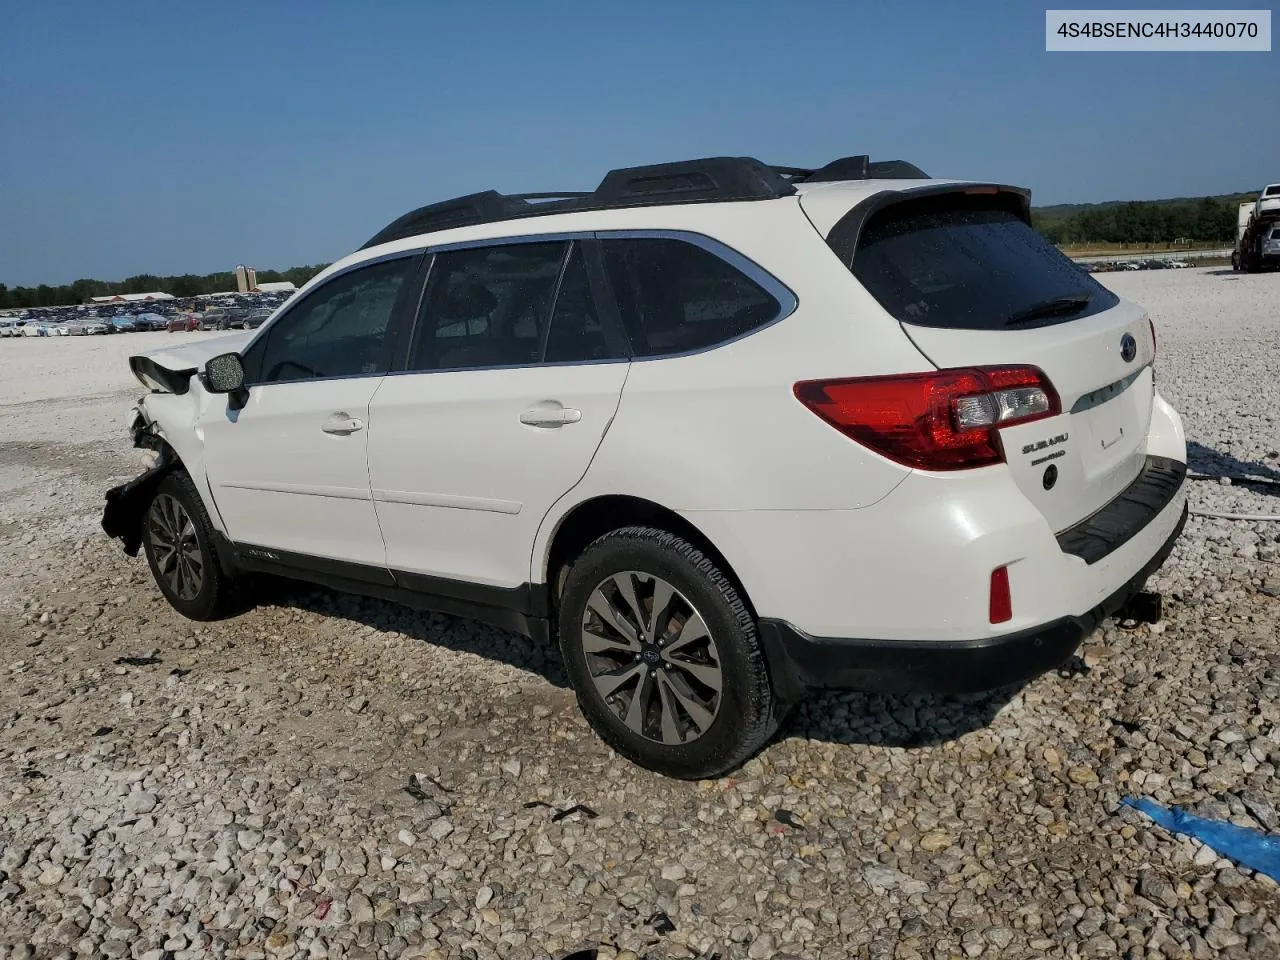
1120, 520
713, 179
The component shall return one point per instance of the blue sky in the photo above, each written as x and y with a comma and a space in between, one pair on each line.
180, 137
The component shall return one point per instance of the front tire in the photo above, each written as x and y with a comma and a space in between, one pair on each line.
178, 539
664, 656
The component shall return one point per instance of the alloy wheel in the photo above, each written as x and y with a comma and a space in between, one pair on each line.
652, 658
179, 558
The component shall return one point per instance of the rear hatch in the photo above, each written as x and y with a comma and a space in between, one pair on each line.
972, 284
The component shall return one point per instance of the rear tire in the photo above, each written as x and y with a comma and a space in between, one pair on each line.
664, 656
178, 539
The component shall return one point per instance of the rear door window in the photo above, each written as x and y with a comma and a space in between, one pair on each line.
677, 297
578, 333
970, 263
488, 306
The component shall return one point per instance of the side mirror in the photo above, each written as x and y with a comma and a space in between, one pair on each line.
224, 373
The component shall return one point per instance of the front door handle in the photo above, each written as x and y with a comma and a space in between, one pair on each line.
342, 425
550, 413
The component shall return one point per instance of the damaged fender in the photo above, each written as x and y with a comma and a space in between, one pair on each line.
127, 504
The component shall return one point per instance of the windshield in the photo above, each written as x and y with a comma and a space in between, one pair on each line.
968, 262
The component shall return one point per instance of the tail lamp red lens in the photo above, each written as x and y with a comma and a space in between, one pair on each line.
1001, 603
942, 420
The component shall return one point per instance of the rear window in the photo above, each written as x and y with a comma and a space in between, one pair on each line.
970, 263
1272, 191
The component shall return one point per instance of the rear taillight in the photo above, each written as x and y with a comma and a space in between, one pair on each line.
944, 420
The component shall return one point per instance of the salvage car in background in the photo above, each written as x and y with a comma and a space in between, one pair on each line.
256, 318
150, 321
216, 318
89, 326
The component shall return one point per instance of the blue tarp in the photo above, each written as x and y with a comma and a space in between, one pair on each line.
1250, 848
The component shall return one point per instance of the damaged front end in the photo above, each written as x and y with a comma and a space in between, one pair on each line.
127, 504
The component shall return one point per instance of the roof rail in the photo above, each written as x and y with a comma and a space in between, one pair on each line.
712, 179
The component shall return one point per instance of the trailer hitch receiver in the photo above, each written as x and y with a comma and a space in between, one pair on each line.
1142, 607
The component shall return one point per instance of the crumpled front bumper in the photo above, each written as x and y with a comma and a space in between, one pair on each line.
126, 505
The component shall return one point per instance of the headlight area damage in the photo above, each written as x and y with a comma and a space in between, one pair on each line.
155, 377
127, 504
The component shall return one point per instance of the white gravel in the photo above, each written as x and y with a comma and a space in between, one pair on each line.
326, 776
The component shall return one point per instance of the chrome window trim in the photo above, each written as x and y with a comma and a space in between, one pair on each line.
787, 300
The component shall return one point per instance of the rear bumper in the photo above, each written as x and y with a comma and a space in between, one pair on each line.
799, 662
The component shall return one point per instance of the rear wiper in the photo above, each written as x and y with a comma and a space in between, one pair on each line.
1071, 303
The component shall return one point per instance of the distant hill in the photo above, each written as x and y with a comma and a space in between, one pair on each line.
1209, 219
1058, 210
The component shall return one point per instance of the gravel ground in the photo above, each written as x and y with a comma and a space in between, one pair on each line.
327, 776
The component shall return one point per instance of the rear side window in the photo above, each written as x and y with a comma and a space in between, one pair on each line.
488, 306
968, 263
677, 297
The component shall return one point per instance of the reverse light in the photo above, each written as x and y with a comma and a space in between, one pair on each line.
942, 420
1001, 604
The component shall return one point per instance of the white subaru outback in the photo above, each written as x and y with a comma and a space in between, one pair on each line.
730, 432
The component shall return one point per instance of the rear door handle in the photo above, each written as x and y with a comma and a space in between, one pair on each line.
550, 413
341, 424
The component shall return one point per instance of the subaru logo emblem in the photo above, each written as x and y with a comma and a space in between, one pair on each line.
1128, 347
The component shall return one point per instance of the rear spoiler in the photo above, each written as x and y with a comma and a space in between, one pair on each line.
844, 236
160, 379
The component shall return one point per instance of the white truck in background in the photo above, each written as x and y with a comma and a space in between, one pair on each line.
1258, 232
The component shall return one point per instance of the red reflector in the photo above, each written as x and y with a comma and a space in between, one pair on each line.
972, 190
919, 419
1001, 602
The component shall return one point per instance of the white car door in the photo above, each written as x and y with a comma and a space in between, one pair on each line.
289, 470
512, 381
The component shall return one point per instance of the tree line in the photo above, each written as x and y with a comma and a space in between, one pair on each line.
1203, 220
187, 285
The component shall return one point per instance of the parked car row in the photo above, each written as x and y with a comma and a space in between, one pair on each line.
91, 325
244, 312
1112, 266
